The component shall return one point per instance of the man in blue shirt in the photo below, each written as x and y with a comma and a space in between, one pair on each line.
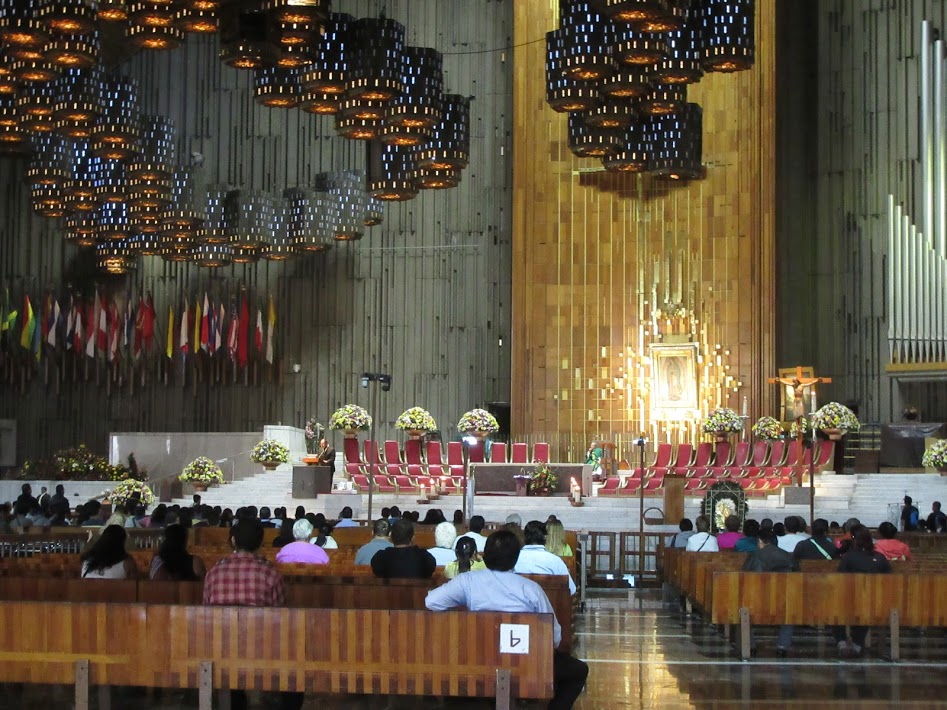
534, 558
499, 588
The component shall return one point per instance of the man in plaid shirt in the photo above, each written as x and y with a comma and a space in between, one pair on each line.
243, 579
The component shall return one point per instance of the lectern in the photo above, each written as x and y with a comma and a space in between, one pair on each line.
673, 498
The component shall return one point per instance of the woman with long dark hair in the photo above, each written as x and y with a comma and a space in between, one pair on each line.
467, 558
107, 558
173, 561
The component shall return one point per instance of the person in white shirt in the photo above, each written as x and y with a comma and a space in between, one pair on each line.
795, 533
702, 540
444, 536
475, 532
536, 559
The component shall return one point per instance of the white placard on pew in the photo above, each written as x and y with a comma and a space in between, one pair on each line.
514, 638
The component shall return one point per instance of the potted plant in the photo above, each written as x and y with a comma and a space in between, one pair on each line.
479, 423
416, 421
722, 422
936, 456
835, 420
351, 419
201, 473
767, 429
542, 481
270, 453
129, 489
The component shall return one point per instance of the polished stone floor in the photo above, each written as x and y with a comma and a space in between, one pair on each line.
645, 654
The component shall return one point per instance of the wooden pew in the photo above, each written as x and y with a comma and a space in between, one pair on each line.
275, 649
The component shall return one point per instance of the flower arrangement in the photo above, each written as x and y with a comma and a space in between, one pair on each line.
794, 429
767, 429
80, 464
202, 470
269, 451
351, 416
542, 481
313, 433
835, 416
722, 420
417, 419
936, 455
478, 420
128, 489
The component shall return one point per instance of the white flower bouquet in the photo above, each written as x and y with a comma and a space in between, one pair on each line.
416, 419
835, 416
351, 416
767, 429
269, 451
202, 470
722, 420
478, 420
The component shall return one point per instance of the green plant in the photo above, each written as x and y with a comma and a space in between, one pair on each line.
80, 464
478, 420
350, 416
835, 416
936, 455
767, 428
202, 470
542, 480
270, 451
417, 419
722, 420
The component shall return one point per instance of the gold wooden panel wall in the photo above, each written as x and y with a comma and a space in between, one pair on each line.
594, 254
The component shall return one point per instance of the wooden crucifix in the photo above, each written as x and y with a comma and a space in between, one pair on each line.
799, 385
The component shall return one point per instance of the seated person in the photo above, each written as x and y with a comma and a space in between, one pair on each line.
769, 557
404, 560
324, 539
444, 536
686, 531
751, 533
475, 531
535, 559
937, 520
702, 540
556, 539
301, 551
795, 533
497, 588
889, 546
467, 558
173, 562
726, 540
107, 558
380, 541
345, 519
818, 547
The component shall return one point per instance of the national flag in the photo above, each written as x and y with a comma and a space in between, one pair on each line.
198, 318
184, 344
7, 317
148, 323
28, 324
70, 325
138, 336
101, 330
44, 318
232, 331
114, 328
217, 341
270, 327
243, 337
258, 333
129, 323
169, 348
205, 325
54, 324
91, 324
78, 329
36, 345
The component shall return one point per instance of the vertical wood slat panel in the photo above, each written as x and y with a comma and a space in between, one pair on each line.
361, 307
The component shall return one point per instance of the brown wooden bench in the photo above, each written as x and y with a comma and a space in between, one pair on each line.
275, 649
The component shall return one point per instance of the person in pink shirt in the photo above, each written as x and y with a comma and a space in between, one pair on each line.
726, 540
890, 547
302, 551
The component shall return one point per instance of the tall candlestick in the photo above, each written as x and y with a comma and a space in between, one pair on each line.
813, 401
744, 405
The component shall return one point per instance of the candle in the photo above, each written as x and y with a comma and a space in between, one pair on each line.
422, 491
814, 407
744, 406
576, 495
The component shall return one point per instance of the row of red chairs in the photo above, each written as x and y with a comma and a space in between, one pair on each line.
400, 484
417, 461
764, 467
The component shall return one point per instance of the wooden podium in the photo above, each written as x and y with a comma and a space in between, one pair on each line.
673, 498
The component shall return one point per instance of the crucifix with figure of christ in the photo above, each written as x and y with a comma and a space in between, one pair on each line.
799, 385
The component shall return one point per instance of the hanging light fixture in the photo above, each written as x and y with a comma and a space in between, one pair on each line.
673, 18
394, 179
245, 255
8, 82
347, 193
374, 212
300, 12
729, 35
68, 16
245, 38
310, 219
411, 117
112, 10
198, 21
78, 101
117, 134
678, 144
115, 258
276, 87
48, 201
281, 248
613, 113
429, 179
633, 10
637, 48
87, 171
34, 71
632, 83
186, 212
586, 40
320, 103
635, 153
565, 94
253, 223
376, 63
665, 100
49, 165
23, 35
112, 222
145, 245
76, 51
215, 222
364, 129
34, 107
158, 156
146, 220
113, 185
149, 34
591, 141
682, 63
80, 229
212, 256
449, 148
329, 69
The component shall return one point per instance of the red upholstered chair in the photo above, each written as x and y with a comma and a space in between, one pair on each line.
373, 460
498, 452
416, 471
654, 483
383, 485
360, 480
742, 455
780, 456
683, 460
541, 452
826, 455
611, 486
629, 487
722, 455
435, 463
760, 454
662, 459
455, 458
520, 452
403, 484
353, 461
392, 452
412, 452
453, 484
393, 469
695, 484
476, 452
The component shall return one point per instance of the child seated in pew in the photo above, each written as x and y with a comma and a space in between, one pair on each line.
889, 546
